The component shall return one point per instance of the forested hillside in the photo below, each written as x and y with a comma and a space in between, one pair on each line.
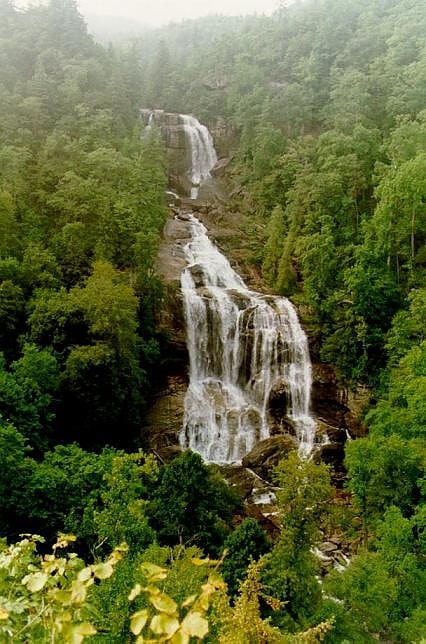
325, 106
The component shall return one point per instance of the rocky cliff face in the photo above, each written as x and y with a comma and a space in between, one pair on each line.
164, 419
173, 132
178, 156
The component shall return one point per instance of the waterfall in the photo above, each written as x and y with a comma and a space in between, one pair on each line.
242, 346
148, 127
203, 154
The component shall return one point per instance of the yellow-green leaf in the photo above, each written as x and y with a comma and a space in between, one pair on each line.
155, 573
103, 570
64, 540
78, 592
199, 562
63, 596
136, 590
204, 601
84, 574
138, 621
216, 580
195, 625
36, 581
180, 638
84, 629
205, 562
164, 625
164, 603
188, 601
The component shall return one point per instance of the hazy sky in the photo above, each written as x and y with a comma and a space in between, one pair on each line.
155, 12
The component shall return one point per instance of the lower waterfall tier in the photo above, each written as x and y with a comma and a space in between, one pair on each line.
243, 347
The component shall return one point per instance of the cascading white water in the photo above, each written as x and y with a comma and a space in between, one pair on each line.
203, 154
242, 345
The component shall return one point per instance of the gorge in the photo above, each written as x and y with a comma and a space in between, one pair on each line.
276, 414
245, 349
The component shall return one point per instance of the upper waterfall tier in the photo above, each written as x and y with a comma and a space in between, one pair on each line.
203, 154
242, 345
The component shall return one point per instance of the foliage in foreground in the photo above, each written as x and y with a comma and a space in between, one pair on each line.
48, 599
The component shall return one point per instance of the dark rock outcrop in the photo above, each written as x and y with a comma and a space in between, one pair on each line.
164, 419
267, 454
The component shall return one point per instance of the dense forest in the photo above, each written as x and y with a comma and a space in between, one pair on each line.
325, 106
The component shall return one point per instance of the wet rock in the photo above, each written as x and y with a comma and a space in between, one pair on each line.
170, 119
327, 547
279, 399
268, 453
281, 425
333, 434
170, 260
197, 275
175, 138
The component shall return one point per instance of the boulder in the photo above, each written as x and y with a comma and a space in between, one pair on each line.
239, 479
220, 167
327, 547
267, 454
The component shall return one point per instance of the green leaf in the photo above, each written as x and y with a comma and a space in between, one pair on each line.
138, 621
195, 625
164, 625
103, 570
164, 603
